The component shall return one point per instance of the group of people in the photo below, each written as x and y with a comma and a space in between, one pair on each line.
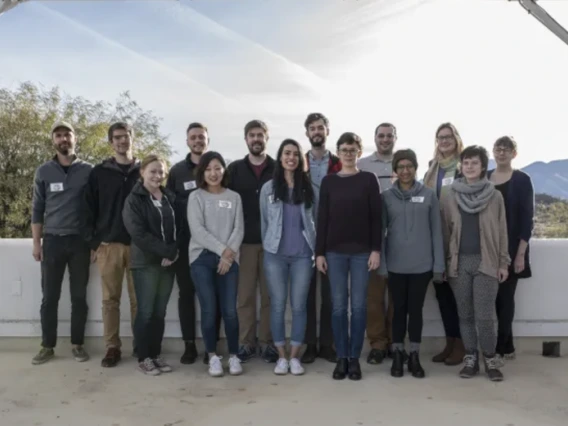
363, 227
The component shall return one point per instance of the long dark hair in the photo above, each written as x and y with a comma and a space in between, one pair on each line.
202, 166
303, 191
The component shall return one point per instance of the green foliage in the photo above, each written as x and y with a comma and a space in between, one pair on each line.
551, 219
26, 116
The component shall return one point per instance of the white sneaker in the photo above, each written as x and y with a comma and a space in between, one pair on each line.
281, 367
296, 368
215, 366
235, 367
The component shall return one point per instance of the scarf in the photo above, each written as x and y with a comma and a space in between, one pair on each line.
473, 197
449, 165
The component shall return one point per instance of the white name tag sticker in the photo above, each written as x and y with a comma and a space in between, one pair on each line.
417, 199
225, 204
447, 181
189, 185
56, 187
157, 203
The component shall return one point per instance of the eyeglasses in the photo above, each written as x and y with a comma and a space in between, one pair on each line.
445, 138
349, 151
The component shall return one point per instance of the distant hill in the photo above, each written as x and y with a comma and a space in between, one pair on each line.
548, 178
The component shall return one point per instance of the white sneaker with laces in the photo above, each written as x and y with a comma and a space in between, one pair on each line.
215, 366
235, 367
282, 367
296, 367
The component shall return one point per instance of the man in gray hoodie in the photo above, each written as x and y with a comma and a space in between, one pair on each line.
56, 218
412, 253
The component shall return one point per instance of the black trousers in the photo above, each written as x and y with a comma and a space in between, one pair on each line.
60, 252
325, 334
408, 294
505, 306
186, 299
448, 309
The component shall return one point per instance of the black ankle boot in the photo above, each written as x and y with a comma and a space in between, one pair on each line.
397, 369
190, 354
341, 369
414, 366
354, 369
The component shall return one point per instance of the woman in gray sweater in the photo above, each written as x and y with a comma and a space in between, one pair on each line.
413, 253
215, 217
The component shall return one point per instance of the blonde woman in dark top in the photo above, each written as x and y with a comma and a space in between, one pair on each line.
518, 193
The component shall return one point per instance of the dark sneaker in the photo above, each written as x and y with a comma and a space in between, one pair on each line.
270, 354
44, 355
80, 354
162, 365
190, 354
310, 354
471, 366
148, 367
376, 356
492, 364
112, 357
354, 369
328, 353
246, 352
414, 366
341, 369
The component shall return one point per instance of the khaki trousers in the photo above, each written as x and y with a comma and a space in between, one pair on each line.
379, 322
251, 276
113, 261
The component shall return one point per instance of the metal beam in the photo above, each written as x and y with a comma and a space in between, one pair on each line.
545, 19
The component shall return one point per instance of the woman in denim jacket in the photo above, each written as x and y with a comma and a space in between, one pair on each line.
288, 238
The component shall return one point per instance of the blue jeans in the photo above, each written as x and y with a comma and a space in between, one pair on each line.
213, 290
279, 271
339, 267
153, 286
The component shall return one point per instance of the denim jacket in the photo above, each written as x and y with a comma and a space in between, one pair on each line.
271, 213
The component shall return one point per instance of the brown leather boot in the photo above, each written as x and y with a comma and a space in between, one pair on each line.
458, 352
441, 357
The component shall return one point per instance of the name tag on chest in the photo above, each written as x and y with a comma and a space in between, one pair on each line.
417, 200
56, 187
157, 203
224, 204
447, 181
189, 185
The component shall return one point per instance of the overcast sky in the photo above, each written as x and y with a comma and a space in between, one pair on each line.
485, 65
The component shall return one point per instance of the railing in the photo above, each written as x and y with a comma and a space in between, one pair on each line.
541, 302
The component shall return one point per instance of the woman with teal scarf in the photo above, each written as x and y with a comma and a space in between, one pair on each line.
442, 171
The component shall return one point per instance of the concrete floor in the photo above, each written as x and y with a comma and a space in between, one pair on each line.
64, 392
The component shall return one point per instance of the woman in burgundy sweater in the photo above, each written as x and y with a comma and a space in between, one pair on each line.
348, 245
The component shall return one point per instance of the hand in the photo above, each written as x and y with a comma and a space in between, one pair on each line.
374, 260
321, 264
503, 275
37, 252
519, 265
93, 256
229, 254
223, 266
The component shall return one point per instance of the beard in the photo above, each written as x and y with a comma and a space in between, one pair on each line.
64, 149
317, 141
257, 148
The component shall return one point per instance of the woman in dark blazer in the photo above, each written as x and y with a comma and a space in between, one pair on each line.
518, 194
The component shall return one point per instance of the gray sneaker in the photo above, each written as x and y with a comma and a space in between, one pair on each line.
44, 355
80, 354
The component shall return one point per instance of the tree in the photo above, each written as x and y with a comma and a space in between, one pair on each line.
551, 217
26, 116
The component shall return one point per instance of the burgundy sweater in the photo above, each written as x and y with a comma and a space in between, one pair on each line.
349, 219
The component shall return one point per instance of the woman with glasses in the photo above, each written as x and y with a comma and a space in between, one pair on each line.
348, 245
518, 193
442, 172
412, 254
477, 252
